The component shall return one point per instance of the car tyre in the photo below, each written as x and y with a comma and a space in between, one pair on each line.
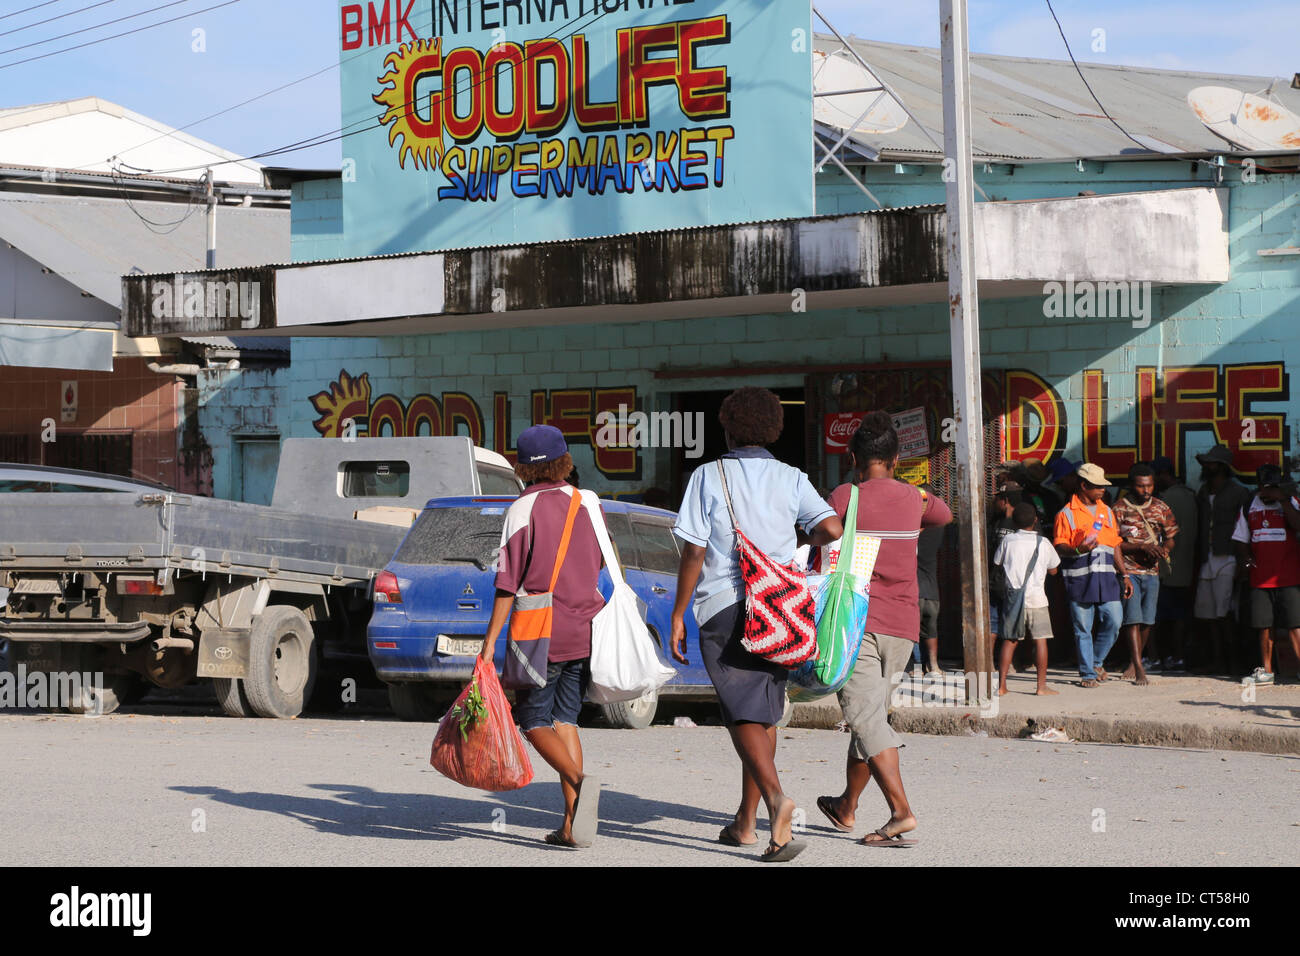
635, 714
118, 689
416, 702
281, 663
231, 696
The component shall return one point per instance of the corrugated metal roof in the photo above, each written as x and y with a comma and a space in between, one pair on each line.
1024, 108
94, 242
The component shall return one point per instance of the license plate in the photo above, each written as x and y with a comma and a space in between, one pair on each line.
459, 646
37, 586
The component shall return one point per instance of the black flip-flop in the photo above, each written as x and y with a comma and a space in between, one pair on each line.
824, 805
727, 838
554, 839
890, 840
782, 854
585, 807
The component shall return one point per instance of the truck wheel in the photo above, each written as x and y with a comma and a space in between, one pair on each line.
231, 696
416, 702
632, 714
281, 662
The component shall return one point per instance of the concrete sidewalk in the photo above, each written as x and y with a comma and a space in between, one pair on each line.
1178, 710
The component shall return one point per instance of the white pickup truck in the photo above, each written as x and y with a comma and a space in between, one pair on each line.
164, 588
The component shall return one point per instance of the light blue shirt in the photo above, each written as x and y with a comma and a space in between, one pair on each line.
769, 497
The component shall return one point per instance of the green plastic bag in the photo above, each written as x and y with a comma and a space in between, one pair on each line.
841, 617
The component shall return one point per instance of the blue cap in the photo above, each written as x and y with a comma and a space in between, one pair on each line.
541, 443
1062, 467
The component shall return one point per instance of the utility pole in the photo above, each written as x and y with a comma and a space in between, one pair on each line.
209, 193
963, 313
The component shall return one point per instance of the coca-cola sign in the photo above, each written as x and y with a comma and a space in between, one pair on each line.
840, 427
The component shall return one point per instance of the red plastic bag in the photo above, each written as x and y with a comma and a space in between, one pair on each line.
477, 743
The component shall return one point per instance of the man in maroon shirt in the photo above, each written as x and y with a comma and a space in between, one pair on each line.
531, 542
893, 513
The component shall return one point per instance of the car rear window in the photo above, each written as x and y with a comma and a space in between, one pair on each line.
455, 536
657, 546
620, 532
376, 479
495, 480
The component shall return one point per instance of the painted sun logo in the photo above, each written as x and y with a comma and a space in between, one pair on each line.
421, 140
348, 398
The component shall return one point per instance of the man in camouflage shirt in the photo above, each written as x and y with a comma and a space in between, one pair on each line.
1148, 528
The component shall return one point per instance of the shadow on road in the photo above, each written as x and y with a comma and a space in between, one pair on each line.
350, 810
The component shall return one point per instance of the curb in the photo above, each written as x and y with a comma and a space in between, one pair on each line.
825, 715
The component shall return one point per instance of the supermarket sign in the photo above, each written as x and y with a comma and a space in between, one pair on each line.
913, 435
471, 122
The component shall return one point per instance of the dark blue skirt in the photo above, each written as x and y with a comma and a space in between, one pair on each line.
750, 689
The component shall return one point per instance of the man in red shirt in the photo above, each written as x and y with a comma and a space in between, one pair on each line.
1266, 541
894, 513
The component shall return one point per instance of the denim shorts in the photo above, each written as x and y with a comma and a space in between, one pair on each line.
1140, 608
560, 701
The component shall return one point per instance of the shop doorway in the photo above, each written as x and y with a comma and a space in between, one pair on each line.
791, 447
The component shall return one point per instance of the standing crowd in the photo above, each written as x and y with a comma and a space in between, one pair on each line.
1171, 574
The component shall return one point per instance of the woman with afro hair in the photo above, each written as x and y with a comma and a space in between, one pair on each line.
778, 509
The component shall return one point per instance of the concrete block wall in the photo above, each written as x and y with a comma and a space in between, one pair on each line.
247, 401
1252, 318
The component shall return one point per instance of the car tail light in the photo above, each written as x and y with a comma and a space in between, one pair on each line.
386, 645
138, 586
386, 590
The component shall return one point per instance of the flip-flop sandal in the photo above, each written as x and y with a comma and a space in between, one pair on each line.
585, 809
782, 854
895, 840
726, 837
554, 839
1087, 683
824, 805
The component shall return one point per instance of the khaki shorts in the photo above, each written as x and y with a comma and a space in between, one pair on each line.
865, 698
1214, 595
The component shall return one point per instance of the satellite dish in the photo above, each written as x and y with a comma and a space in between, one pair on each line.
1247, 120
837, 102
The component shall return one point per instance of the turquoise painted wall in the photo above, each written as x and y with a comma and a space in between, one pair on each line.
1251, 320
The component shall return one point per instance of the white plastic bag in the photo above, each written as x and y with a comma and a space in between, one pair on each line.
624, 664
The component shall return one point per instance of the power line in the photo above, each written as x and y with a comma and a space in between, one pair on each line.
115, 36
339, 134
73, 33
59, 17
1144, 146
47, 3
252, 99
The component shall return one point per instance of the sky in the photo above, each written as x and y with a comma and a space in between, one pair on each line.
211, 59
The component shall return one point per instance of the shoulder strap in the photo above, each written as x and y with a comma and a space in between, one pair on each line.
574, 504
726, 495
597, 517
850, 529
1029, 569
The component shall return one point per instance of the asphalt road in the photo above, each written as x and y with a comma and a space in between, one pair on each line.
177, 788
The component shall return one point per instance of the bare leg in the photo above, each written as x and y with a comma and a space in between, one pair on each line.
1266, 649
746, 821
754, 744
1005, 653
1135, 671
1295, 645
931, 653
553, 745
884, 767
1040, 659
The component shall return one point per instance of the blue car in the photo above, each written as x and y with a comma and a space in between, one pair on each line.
433, 600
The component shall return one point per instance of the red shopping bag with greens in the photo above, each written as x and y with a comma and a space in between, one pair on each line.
477, 743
